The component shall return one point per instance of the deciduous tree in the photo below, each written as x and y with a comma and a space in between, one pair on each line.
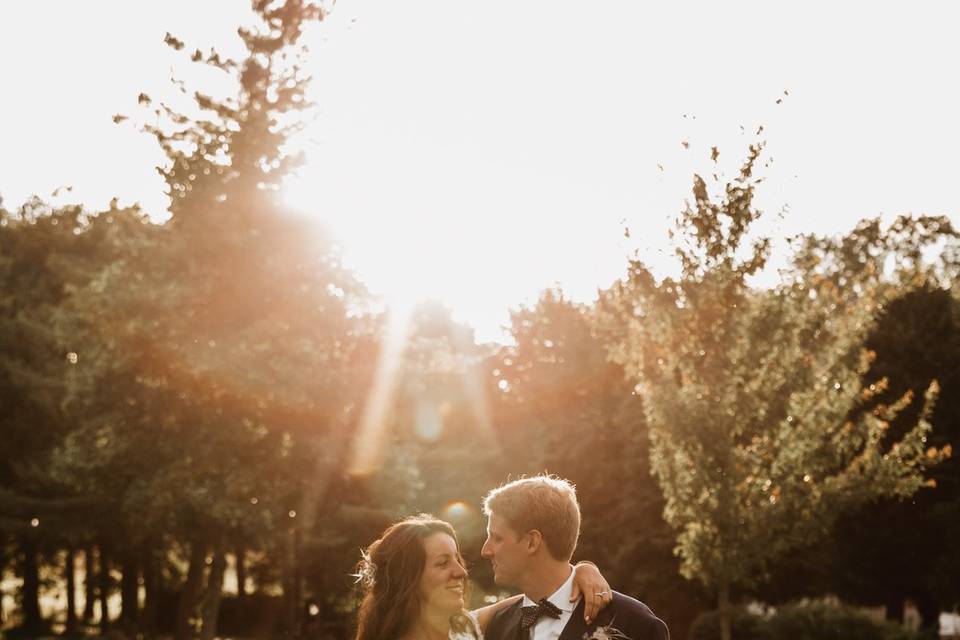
755, 399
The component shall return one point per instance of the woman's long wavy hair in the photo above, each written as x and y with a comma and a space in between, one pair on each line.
390, 571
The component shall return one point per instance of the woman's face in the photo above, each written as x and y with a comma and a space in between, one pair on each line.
444, 577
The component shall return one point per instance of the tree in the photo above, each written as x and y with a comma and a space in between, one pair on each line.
41, 257
754, 399
230, 339
893, 548
561, 405
426, 446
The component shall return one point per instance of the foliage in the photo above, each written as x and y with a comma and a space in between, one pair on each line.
41, 256
819, 621
762, 431
894, 549
801, 621
744, 625
560, 405
173, 392
230, 338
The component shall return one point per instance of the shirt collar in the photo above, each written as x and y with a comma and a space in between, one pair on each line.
560, 597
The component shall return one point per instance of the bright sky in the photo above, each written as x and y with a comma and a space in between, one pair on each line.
479, 152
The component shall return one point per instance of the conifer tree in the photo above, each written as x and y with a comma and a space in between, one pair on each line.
231, 332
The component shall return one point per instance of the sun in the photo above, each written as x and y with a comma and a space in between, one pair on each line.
406, 256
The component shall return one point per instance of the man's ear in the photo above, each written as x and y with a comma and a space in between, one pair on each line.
534, 541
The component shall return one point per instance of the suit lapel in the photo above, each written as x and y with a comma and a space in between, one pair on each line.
511, 623
576, 625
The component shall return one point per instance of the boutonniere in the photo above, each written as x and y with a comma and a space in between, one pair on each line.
607, 632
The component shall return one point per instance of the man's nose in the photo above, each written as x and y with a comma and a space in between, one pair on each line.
486, 552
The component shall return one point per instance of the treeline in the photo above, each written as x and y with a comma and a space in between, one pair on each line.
217, 392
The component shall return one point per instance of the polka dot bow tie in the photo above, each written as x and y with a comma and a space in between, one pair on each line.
530, 615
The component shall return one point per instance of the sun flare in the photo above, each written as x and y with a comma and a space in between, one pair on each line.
406, 257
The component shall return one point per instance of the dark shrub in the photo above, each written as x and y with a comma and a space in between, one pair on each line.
825, 622
815, 621
743, 626
20, 632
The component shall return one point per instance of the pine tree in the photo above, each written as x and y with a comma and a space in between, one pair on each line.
231, 334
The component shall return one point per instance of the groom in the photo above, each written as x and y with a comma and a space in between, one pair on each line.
532, 530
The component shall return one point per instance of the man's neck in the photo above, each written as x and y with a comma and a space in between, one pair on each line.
543, 581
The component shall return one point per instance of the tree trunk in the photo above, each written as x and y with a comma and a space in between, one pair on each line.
129, 592
724, 606
104, 588
89, 585
3, 568
929, 609
241, 567
297, 582
70, 569
289, 583
210, 607
190, 592
30, 573
894, 608
32, 622
148, 619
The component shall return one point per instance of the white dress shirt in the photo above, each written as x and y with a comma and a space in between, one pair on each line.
547, 628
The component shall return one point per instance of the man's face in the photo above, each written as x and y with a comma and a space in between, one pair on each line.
507, 551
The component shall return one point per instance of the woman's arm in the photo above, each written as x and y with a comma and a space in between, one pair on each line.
586, 580
593, 587
484, 614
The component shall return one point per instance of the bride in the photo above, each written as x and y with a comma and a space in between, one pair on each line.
415, 584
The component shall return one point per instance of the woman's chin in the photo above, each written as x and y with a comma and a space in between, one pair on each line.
455, 603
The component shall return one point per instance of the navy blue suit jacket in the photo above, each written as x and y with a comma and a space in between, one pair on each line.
630, 617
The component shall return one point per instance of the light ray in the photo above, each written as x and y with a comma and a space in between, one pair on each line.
367, 451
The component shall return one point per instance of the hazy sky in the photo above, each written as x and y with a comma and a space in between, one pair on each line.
478, 152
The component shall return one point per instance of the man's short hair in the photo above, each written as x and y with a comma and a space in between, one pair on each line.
545, 503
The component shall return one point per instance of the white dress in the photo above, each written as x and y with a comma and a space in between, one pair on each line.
466, 636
